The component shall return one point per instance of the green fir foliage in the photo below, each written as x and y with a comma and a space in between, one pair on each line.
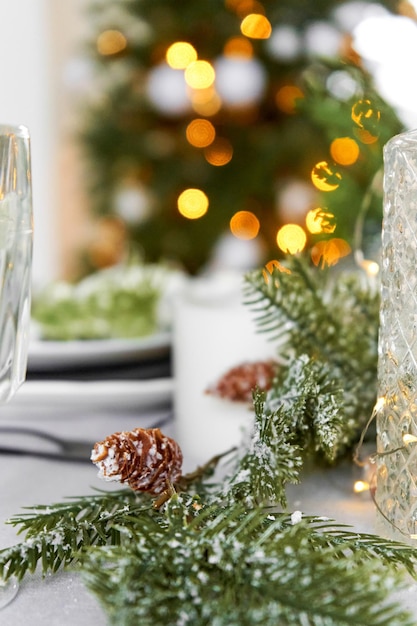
224, 551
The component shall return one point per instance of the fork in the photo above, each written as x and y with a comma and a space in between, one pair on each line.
74, 450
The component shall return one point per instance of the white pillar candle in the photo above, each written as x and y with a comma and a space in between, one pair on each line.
214, 331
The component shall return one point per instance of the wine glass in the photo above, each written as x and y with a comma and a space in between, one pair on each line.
16, 242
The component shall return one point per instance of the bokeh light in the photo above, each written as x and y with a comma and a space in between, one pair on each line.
199, 75
291, 238
192, 203
286, 98
205, 102
238, 46
325, 177
256, 26
180, 54
200, 133
111, 42
244, 225
329, 252
272, 265
366, 116
320, 221
344, 150
219, 153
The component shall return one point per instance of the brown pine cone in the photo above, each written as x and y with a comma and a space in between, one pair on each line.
238, 383
144, 458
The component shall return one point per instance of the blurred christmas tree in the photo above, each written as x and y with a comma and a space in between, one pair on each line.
227, 119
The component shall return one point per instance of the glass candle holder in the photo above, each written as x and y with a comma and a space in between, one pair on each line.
396, 482
16, 237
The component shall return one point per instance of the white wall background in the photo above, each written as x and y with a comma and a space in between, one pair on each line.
37, 38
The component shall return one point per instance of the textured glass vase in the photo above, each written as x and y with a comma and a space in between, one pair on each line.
396, 485
16, 236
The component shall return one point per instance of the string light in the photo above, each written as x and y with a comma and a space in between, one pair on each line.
219, 153
199, 75
344, 150
256, 26
111, 42
192, 203
180, 54
244, 225
324, 177
291, 238
329, 252
360, 486
200, 133
286, 98
320, 221
238, 46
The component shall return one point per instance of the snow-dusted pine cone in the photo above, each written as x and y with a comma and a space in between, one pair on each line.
144, 458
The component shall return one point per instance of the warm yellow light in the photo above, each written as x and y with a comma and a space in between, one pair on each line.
200, 133
219, 153
379, 404
244, 7
192, 203
238, 46
111, 42
256, 26
360, 486
244, 225
180, 54
205, 101
330, 252
324, 177
365, 115
408, 438
200, 75
370, 267
271, 266
286, 98
320, 221
365, 136
344, 150
291, 238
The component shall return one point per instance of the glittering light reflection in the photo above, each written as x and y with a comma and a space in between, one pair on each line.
325, 177
192, 203
291, 238
244, 225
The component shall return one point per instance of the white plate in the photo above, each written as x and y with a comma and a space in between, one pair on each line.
130, 394
48, 355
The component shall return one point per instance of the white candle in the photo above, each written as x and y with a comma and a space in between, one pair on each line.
213, 332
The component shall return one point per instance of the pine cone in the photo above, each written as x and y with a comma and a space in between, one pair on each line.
238, 383
144, 458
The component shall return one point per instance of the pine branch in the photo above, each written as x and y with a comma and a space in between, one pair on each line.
333, 321
55, 534
245, 567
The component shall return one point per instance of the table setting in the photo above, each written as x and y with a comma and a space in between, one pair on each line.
231, 437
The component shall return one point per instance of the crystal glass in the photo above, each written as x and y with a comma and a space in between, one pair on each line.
16, 238
396, 484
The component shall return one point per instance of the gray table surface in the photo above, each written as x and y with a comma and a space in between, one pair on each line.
62, 600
